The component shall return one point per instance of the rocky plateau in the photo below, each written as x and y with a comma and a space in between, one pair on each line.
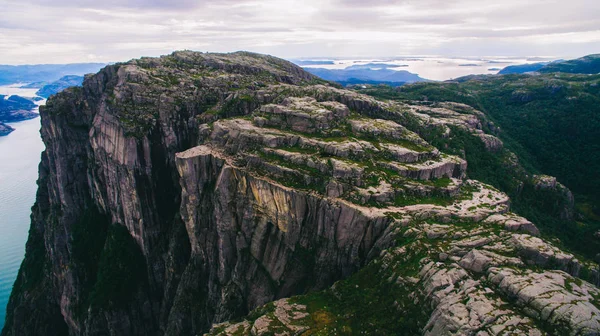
237, 194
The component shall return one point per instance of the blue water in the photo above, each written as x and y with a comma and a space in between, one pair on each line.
19, 157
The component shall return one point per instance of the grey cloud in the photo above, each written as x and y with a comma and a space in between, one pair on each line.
168, 5
581, 27
116, 30
139, 4
379, 3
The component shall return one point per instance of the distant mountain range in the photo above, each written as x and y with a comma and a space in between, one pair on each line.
312, 62
522, 68
354, 81
585, 65
59, 85
15, 108
5, 129
367, 75
375, 66
42, 74
49, 78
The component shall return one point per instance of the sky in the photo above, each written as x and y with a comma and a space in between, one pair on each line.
67, 31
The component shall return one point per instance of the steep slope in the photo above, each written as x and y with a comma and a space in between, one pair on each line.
187, 190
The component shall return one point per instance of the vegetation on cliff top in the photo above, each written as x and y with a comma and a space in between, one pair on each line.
552, 123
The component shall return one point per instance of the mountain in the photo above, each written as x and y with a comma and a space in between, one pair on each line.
375, 66
34, 85
353, 81
5, 129
312, 62
10, 74
237, 194
59, 85
384, 75
585, 65
522, 68
16, 108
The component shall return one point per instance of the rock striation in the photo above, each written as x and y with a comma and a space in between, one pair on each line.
179, 193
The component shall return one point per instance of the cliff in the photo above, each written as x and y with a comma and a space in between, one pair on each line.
188, 190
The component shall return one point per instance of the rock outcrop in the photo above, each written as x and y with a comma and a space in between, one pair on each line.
471, 274
567, 200
180, 192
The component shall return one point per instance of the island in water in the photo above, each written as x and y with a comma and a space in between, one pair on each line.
15, 108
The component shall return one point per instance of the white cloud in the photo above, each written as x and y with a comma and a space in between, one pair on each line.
59, 31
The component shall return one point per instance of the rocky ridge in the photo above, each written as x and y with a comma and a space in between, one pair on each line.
235, 180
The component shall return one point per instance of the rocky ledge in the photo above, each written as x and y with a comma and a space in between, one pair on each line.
461, 276
182, 192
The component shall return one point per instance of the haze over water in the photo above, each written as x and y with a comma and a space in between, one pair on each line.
437, 68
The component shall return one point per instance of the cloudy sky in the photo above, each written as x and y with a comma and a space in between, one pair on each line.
61, 31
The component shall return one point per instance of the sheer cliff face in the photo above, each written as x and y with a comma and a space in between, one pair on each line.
111, 163
179, 192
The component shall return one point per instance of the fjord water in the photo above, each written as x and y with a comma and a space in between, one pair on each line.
19, 158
